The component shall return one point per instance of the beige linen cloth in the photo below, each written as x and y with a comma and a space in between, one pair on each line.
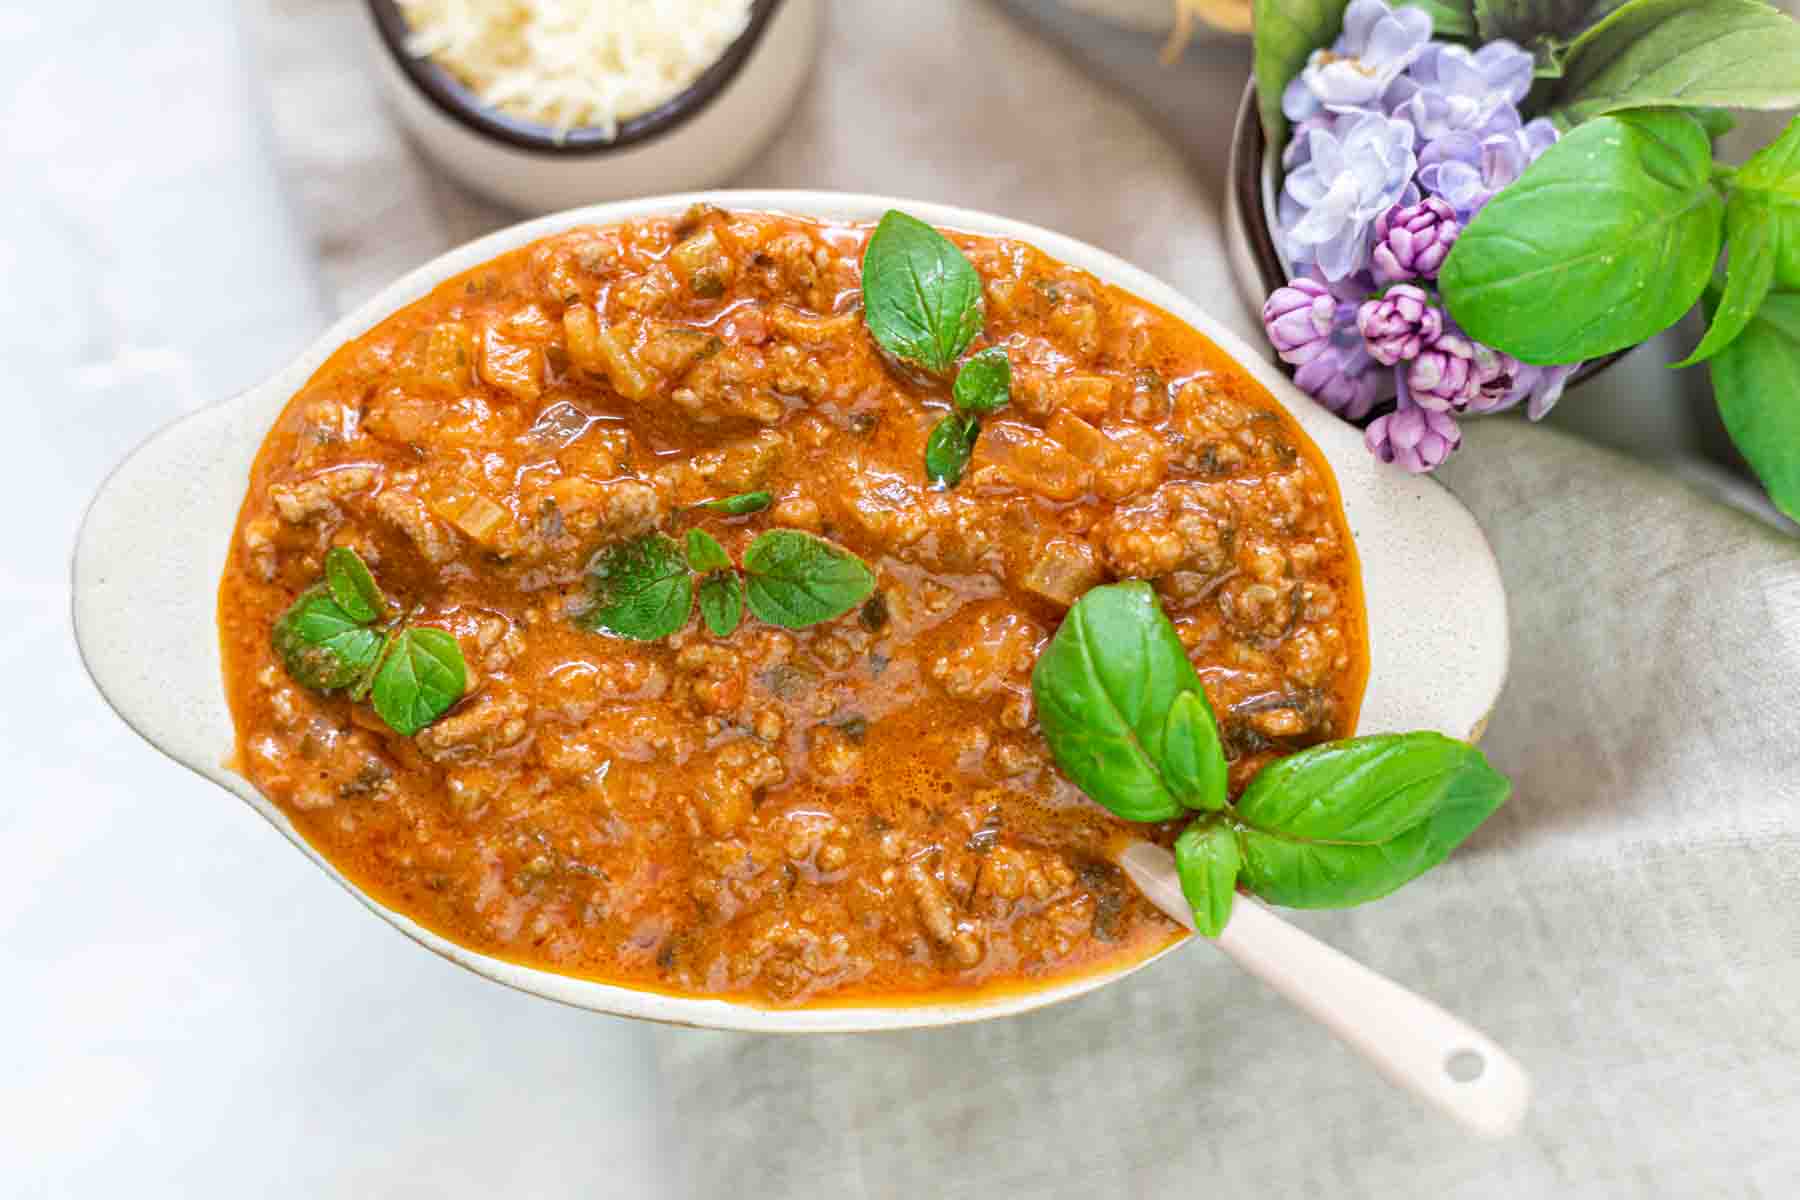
1628, 925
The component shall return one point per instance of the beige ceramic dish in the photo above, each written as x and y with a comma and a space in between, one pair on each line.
150, 553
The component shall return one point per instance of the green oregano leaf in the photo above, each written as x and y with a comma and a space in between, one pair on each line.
796, 579
984, 384
722, 602
1606, 240
642, 588
323, 646
949, 448
1207, 860
1350, 821
704, 552
1108, 691
921, 296
350, 584
740, 505
421, 677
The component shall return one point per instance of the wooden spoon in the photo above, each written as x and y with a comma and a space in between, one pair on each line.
1412, 1041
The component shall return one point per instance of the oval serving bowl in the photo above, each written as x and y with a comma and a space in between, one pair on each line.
146, 590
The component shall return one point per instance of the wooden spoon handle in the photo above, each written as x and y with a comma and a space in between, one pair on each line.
1412, 1041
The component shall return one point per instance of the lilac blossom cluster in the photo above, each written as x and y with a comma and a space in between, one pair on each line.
1397, 143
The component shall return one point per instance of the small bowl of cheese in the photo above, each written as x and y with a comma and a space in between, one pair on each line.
550, 104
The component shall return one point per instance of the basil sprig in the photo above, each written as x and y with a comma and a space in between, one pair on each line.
922, 304
644, 588
1335, 825
329, 641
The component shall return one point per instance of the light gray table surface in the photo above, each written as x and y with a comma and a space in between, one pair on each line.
188, 1009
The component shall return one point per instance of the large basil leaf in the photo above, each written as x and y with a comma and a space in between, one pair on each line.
1728, 53
921, 297
421, 677
1106, 688
1606, 240
322, 646
642, 588
1757, 381
797, 579
1348, 822
1207, 860
1771, 179
1287, 32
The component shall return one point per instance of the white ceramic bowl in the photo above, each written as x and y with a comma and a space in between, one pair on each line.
699, 138
152, 549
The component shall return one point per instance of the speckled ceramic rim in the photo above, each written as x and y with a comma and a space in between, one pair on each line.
453, 98
1254, 183
145, 590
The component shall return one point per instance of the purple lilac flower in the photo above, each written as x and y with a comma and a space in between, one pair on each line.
1377, 43
1415, 438
1541, 387
1466, 170
1299, 319
1399, 325
1412, 242
1495, 375
1344, 379
1330, 203
1449, 89
1442, 376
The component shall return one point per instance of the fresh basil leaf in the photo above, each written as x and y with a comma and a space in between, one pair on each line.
921, 296
985, 382
1105, 688
1541, 26
1451, 20
1351, 821
1606, 240
347, 578
704, 552
722, 602
797, 579
422, 676
1287, 32
1193, 756
1207, 859
360, 691
1752, 234
1720, 53
1771, 177
1757, 382
642, 589
322, 646
740, 505
949, 448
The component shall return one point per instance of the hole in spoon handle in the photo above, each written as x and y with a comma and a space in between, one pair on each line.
1412, 1041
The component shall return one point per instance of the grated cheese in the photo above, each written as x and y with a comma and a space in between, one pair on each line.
571, 64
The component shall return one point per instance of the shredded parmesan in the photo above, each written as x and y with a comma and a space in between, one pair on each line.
575, 64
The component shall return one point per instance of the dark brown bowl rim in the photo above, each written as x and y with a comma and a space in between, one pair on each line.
1248, 148
454, 99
